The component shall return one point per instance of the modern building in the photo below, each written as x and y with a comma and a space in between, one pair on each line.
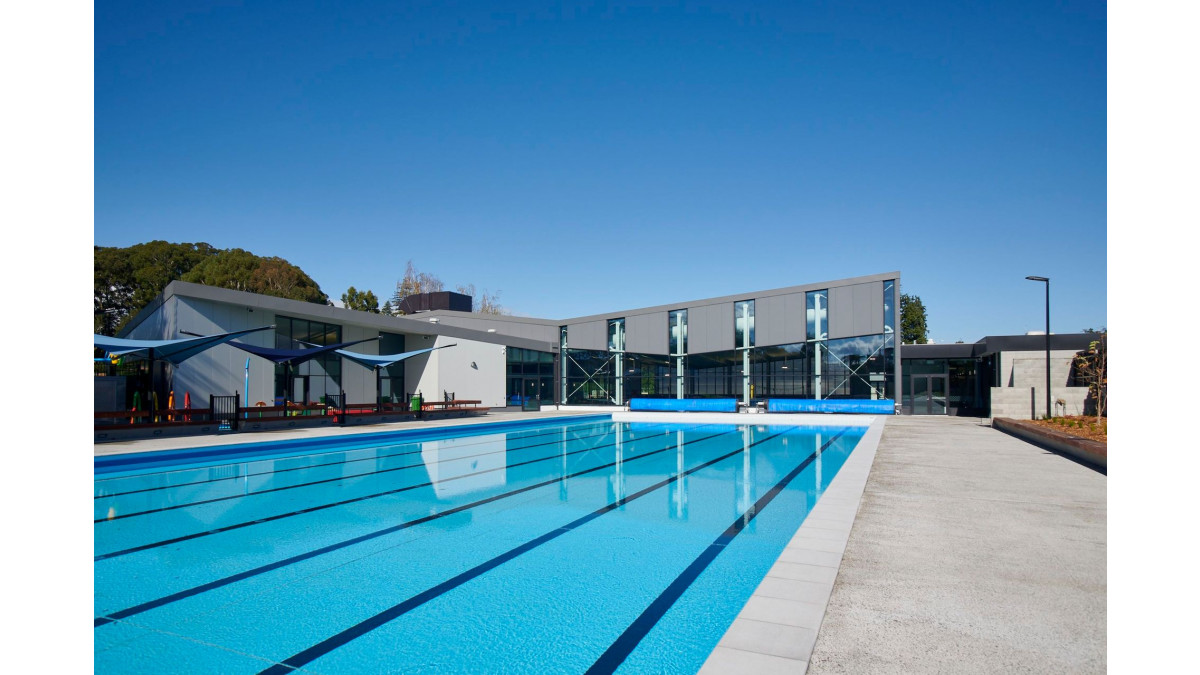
833, 339
826, 340
998, 376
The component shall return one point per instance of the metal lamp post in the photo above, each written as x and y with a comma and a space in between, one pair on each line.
1047, 280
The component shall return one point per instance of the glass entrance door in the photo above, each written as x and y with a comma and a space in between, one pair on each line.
928, 394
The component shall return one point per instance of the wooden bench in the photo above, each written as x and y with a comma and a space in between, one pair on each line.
456, 404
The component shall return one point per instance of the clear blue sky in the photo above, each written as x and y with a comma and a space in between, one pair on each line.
595, 157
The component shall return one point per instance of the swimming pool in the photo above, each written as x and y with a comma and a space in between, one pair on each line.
568, 545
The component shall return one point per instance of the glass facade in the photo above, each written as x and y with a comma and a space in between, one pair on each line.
313, 379
858, 367
889, 306
677, 321
965, 383
817, 322
616, 335
530, 375
743, 324
589, 376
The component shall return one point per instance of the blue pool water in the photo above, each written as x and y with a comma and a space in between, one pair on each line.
563, 546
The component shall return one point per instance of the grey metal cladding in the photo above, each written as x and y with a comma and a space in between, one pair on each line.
710, 328
588, 335
841, 312
779, 320
855, 310
646, 333
873, 311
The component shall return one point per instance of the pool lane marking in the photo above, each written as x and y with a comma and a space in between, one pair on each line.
321, 507
240, 576
623, 646
362, 628
335, 479
297, 468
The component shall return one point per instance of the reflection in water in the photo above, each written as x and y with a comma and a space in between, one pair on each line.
616, 480
678, 487
562, 484
451, 463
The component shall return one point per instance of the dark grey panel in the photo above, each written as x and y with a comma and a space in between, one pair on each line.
588, 335
841, 312
646, 333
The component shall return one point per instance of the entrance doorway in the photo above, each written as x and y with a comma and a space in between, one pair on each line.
928, 394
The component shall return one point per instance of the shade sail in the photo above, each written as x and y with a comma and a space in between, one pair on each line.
294, 356
385, 360
175, 351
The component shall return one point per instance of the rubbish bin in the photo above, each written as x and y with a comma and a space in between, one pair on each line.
415, 404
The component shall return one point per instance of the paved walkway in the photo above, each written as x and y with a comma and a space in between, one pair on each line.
972, 552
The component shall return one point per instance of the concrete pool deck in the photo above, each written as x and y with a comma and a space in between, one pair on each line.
972, 551
216, 440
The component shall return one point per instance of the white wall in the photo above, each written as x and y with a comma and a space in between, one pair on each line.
471, 370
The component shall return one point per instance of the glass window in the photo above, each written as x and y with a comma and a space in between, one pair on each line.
817, 315
616, 335
889, 306
743, 320
678, 326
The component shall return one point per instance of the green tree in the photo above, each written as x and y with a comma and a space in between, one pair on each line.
127, 279
387, 308
113, 282
1091, 367
362, 301
241, 270
913, 328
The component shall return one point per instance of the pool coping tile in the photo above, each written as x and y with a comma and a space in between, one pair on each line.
756, 643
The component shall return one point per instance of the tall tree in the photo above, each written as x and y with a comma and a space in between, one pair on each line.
482, 301
127, 279
913, 329
362, 301
414, 283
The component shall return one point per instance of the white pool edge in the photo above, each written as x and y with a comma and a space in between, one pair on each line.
760, 419
776, 630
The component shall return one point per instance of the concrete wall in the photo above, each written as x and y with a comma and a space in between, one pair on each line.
1028, 369
1016, 402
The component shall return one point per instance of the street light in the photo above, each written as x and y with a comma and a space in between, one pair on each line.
1047, 280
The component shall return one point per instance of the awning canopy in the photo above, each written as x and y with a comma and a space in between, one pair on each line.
385, 360
175, 351
294, 356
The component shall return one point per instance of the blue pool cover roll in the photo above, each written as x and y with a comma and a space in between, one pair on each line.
884, 406
684, 404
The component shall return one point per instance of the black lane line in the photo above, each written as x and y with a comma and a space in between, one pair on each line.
187, 593
321, 507
358, 630
624, 645
325, 480
296, 468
